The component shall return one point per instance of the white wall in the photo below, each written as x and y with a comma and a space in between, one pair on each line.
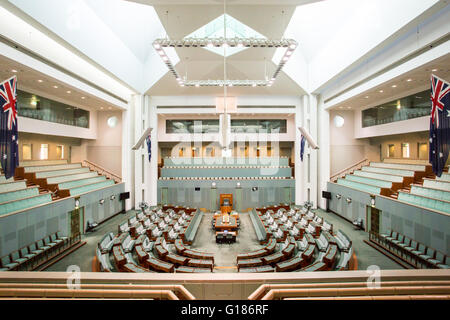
345, 150
106, 150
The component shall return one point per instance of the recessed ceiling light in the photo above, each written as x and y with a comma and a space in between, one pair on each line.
197, 85
56, 87
409, 80
101, 108
40, 80
83, 98
367, 97
394, 86
341, 107
381, 91
109, 108
14, 70
349, 107
69, 91
434, 70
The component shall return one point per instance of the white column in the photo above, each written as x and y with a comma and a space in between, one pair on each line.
137, 130
323, 164
127, 153
313, 131
299, 166
152, 181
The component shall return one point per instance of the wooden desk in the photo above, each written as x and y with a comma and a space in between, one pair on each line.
233, 235
220, 225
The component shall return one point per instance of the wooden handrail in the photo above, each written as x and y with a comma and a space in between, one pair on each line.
265, 289
361, 291
349, 169
103, 171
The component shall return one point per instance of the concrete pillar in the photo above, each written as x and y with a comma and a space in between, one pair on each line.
299, 166
138, 154
323, 140
152, 181
128, 154
313, 131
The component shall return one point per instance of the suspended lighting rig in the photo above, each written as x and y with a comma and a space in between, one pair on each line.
289, 44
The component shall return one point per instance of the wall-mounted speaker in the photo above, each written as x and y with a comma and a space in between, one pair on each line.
326, 194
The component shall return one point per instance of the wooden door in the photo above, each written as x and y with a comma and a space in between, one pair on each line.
375, 215
76, 227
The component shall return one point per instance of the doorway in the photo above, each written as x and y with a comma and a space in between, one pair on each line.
76, 218
373, 217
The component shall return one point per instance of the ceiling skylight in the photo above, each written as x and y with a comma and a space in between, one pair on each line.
235, 29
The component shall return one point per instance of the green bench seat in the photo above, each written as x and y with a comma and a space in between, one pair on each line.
403, 166
71, 177
55, 173
27, 163
436, 184
371, 181
22, 204
13, 186
430, 193
444, 177
421, 201
80, 182
19, 194
359, 186
398, 172
86, 188
379, 176
51, 167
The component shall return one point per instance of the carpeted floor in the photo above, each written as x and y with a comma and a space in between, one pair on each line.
225, 254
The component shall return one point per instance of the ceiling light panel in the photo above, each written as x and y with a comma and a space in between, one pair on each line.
160, 44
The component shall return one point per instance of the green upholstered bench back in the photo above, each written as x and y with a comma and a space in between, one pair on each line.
430, 193
413, 167
52, 167
359, 186
424, 202
380, 176
71, 177
24, 203
86, 188
81, 182
12, 186
56, 173
371, 181
398, 172
18, 194
437, 184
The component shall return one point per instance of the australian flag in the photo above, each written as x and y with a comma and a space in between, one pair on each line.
9, 145
439, 124
149, 147
302, 147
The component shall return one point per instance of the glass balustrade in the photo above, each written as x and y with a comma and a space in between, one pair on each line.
410, 107
35, 107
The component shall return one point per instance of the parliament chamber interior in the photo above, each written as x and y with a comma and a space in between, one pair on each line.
225, 150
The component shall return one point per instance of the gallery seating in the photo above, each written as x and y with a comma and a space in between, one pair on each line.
37, 253
410, 250
160, 265
185, 269
257, 269
291, 264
